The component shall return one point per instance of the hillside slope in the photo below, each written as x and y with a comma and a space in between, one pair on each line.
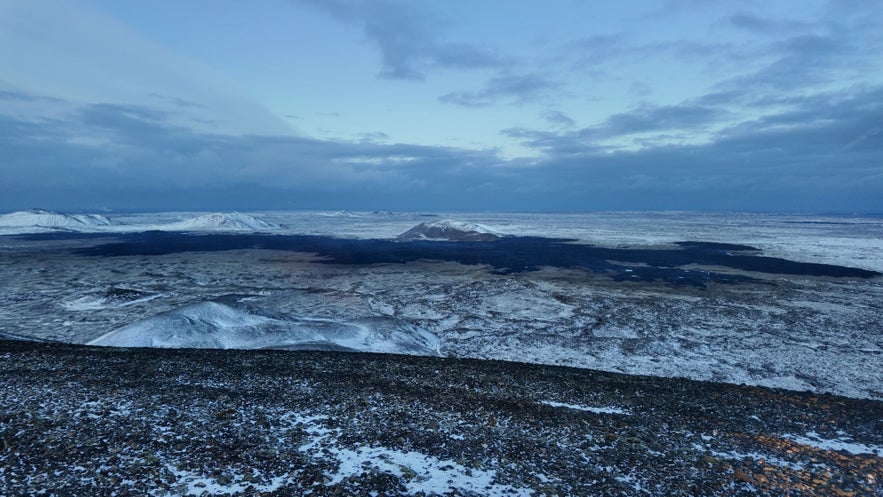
92, 421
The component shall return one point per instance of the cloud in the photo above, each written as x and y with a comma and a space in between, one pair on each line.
766, 26
558, 118
803, 61
823, 154
836, 49
823, 125
607, 53
649, 118
659, 124
107, 148
515, 89
25, 97
374, 137
179, 102
756, 56
71, 50
411, 39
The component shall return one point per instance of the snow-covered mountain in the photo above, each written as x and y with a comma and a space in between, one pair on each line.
447, 229
212, 325
220, 221
49, 220
340, 214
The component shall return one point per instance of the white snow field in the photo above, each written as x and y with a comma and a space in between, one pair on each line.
801, 333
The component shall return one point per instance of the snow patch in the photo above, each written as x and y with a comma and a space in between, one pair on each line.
755, 456
844, 443
418, 472
596, 410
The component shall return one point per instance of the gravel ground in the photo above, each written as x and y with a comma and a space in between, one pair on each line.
77, 420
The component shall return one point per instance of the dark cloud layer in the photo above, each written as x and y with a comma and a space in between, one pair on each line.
823, 155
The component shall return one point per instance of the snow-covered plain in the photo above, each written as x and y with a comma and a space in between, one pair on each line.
802, 333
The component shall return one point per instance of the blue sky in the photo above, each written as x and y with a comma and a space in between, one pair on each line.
442, 105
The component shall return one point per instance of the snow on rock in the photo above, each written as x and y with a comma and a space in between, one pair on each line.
221, 221
43, 220
420, 473
843, 443
213, 325
596, 410
447, 229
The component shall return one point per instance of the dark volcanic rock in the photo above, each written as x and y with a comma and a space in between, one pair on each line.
508, 254
89, 421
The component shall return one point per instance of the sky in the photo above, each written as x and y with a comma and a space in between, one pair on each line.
560, 105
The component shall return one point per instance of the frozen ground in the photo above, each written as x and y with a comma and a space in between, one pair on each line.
111, 421
802, 333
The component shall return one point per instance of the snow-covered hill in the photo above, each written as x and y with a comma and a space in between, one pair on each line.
220, 221
343, 214
212, 325
44, 220
447, 229
39, 221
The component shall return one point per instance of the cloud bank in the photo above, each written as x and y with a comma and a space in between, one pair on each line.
823, 155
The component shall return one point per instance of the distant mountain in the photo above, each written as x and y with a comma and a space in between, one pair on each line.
221, 221
447, 229
340, 214
212, 325
40, 218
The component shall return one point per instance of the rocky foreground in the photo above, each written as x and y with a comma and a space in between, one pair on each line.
78, 420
